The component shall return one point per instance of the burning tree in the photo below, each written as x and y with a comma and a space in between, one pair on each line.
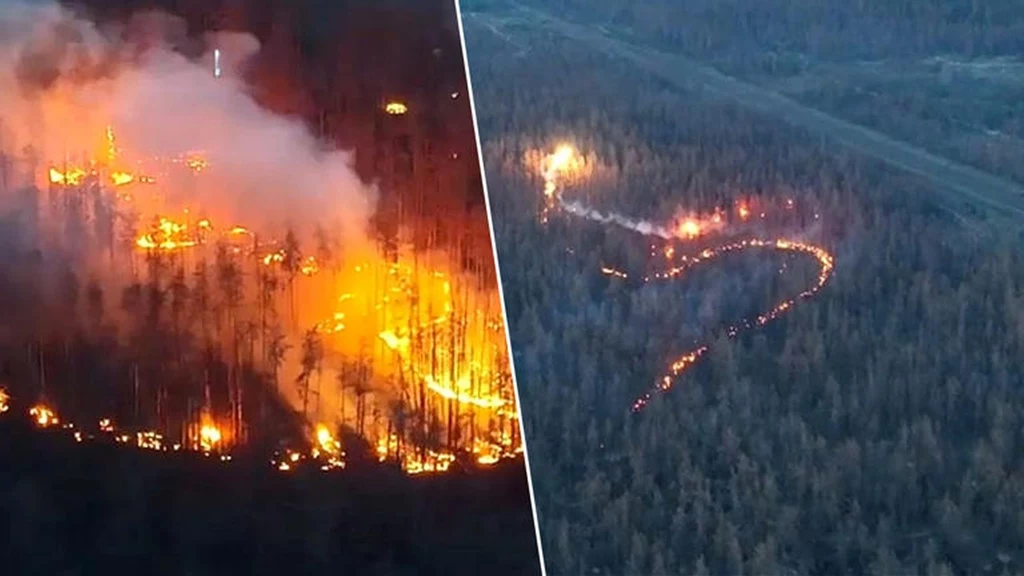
237, 303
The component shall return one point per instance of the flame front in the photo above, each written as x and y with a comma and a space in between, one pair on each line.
396, 108
399, 345
565, 164
44, 416
209, 437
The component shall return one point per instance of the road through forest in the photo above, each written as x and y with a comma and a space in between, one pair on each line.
958, 183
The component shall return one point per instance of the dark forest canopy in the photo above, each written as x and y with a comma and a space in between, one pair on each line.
943, 75
830, 28
872, 430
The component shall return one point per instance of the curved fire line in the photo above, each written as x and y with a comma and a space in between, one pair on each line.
565, 162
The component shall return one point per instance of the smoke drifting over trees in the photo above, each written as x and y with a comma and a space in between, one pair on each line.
64, 80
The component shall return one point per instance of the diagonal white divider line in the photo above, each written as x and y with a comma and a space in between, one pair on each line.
501, 290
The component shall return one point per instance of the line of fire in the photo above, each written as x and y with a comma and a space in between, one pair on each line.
146, 304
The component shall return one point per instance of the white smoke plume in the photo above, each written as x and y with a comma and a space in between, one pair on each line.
64, 79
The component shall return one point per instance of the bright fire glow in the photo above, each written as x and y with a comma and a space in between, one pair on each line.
825, 261
209, 438
5, 399
67, 177
426, 326
121, 178
557, 167
689, 229
396, 108
402, 323
167, 235
309, 266
44, 416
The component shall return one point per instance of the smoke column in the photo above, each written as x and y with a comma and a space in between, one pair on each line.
64, 80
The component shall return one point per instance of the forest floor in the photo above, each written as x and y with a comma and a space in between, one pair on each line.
962, 187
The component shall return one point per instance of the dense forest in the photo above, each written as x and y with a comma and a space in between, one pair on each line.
944, 75
873, 429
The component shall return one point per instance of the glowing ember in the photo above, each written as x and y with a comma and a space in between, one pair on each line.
613, 272
209, 438
332, 326
196, 164
309, 266
689, 229
44, 417
396, 108
413, 462
121, 178
328, 449
452, 393
150, 440
106, 425
68, 177
393, 341
4, 401
166, 234
274, 258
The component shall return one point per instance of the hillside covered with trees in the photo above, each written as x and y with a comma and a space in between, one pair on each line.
873, 429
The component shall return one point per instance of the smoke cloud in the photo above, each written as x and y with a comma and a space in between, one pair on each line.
65, 79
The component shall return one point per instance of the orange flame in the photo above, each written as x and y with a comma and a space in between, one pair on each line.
121, 178
167, 235
44, 416
209, 437
68, 177
396, 108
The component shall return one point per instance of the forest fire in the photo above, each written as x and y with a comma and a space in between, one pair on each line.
562, 166
396, 108
436, 338
233, 262
608, 271
68, 177
167, 235
43, 416
443, 343
209, 438
557, 168
689, 228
